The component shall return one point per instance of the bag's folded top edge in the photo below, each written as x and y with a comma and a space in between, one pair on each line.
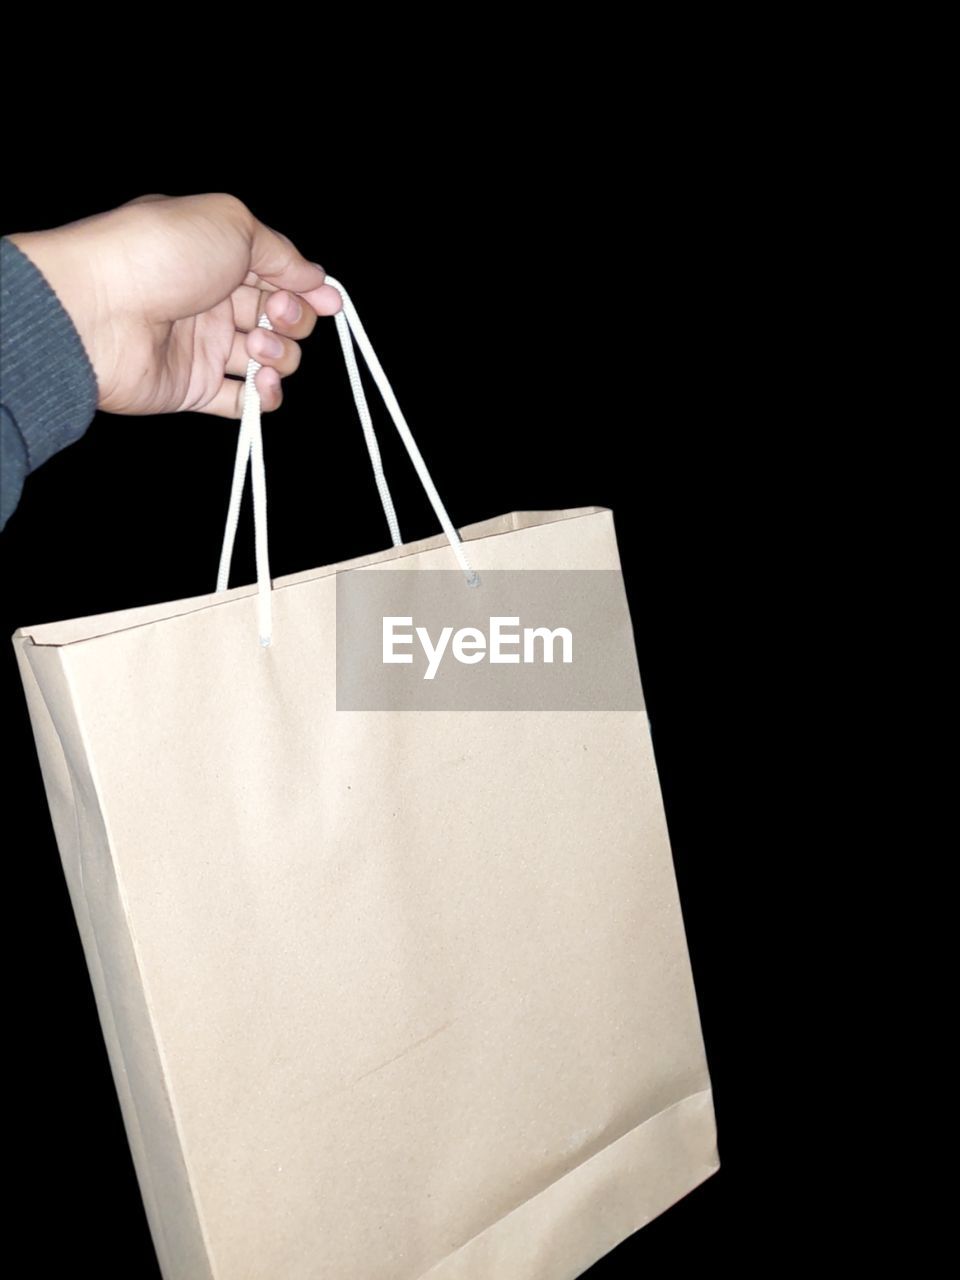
74, 630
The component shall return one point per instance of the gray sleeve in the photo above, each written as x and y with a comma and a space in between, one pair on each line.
48, 387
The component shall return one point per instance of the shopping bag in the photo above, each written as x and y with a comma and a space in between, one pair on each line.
388, 993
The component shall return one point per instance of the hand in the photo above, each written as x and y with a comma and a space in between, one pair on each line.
166, 293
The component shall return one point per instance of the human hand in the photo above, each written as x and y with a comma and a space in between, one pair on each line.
166, 293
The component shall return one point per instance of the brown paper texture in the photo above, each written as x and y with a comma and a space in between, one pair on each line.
386, 995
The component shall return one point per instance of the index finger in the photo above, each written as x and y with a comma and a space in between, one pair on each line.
277, 262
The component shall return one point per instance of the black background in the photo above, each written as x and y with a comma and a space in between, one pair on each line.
556, 337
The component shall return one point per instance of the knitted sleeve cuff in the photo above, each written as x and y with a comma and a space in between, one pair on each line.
47, 383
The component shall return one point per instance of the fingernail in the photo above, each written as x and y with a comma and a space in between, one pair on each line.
292, 309
270, 345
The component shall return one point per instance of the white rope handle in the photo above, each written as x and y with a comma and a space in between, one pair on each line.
250, 446
250, 449
363, 409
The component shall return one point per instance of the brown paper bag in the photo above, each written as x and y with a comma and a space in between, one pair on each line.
387, 995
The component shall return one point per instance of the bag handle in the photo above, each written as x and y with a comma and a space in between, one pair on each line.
250, 449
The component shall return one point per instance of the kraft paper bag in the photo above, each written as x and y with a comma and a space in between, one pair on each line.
387, 995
